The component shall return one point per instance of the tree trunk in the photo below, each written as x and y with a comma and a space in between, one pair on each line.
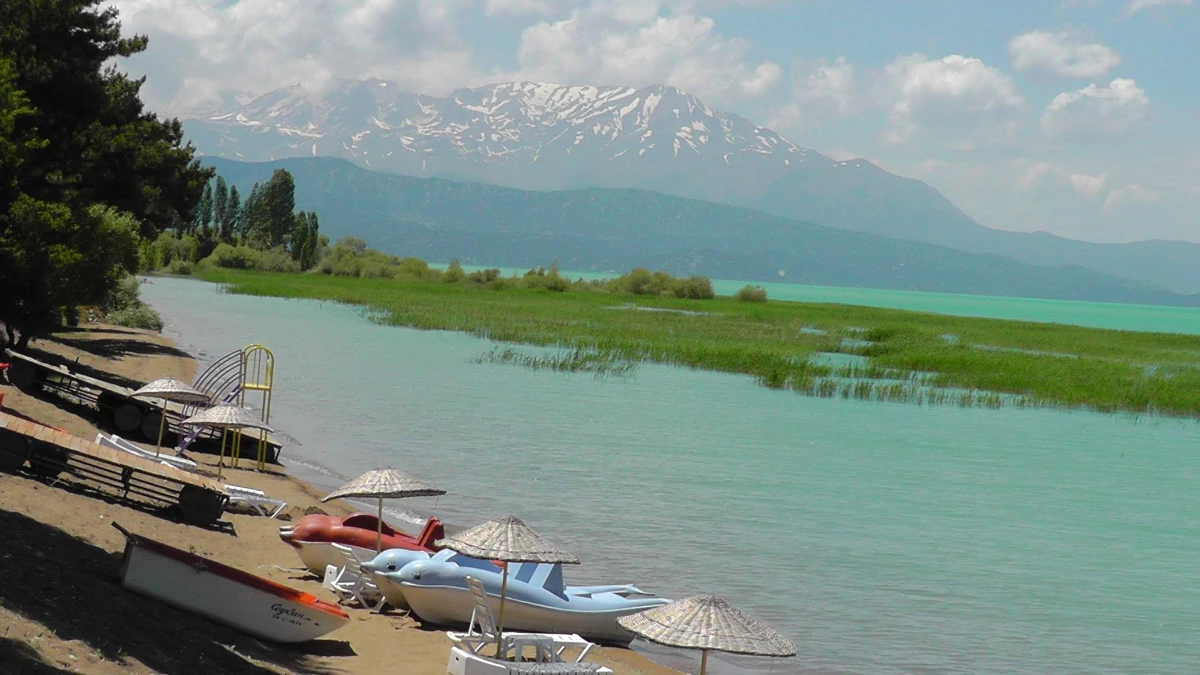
22, 342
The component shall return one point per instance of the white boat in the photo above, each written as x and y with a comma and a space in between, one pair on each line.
538, 599
249, 603
465, 662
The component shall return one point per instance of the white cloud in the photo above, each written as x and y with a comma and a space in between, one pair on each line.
963, 99
1065, 53
1096, 111
1088, 186
198, 48
494, 7
1050, 178
820, 90
1139, 5
1129, 195
633, 42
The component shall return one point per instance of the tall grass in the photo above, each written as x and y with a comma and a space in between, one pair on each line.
908, 357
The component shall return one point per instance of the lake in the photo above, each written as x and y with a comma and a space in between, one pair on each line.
880, 537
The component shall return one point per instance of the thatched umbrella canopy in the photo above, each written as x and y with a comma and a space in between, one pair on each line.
707, 622
384, 483
169, 389
507, 539
227, 416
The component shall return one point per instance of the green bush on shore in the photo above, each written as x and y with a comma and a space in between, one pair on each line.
142, 316
123, 306
752, 293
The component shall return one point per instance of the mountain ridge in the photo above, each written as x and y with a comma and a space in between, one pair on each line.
542, 136
611, 229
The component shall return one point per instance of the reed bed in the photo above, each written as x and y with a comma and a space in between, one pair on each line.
989, 363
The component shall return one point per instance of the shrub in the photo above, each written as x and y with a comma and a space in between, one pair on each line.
751, 294
170, 248
180, 266
277, 260
417, 269
642, 281
235, 257
454, 273
123, 296
484, 276
141, 316
694, 288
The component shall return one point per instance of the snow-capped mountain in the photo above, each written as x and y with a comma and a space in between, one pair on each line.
539, 136
524, 134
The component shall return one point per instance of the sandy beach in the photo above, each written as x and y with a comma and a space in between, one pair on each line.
62, 608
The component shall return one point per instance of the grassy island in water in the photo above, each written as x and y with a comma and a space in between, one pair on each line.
908, 356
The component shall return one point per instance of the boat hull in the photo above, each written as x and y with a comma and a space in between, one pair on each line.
313, 535
452, 606
462, 662
251, 604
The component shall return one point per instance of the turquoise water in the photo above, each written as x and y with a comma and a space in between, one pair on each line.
882, 538
1154, 318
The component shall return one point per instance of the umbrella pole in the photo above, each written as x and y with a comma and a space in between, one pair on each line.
500, 621
379, 528
703, 661
162, 426
221, 463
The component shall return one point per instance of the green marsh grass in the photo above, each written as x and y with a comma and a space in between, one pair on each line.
989, 363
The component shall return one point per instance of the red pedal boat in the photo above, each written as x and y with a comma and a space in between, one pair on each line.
313, 535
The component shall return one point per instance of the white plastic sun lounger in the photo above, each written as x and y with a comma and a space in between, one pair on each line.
488, 634
255, 499
352, 581
117, 443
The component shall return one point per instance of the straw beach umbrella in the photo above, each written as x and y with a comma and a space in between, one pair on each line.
707, 622
169, 389
226, 417
507, 539
384, 483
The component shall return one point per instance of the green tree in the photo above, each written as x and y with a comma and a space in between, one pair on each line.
252, 216
220, 203
84, 169
279, 203
102, 145
233, 217
305, 239
204, 209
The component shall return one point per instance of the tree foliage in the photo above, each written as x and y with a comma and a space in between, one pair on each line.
84, 168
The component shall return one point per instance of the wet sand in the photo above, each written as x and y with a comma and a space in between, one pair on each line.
61, 605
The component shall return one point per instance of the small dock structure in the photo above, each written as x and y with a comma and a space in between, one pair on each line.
52, 454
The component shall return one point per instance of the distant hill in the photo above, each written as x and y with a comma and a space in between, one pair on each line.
540, 136
603, 229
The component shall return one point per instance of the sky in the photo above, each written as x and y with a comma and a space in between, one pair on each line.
1076, 117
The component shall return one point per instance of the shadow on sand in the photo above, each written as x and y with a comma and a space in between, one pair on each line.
76, 593
116, 346
21, 659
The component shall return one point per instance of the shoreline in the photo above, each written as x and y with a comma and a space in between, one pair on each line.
119, 633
